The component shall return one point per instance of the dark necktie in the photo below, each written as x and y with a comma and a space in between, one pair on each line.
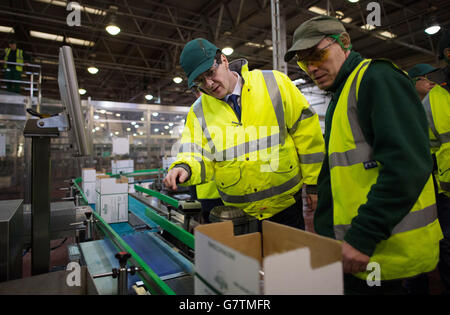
237, 108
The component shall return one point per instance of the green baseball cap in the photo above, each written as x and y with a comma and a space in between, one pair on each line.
420, 69
197, 57
311, 32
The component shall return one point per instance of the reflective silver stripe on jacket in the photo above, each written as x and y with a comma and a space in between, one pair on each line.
264, 143
311, 158
277, 102
445, 137
427, 106
411, 221
198, 110
195, 148
306, 113
445, 186
248, 147
263, 194
363, 152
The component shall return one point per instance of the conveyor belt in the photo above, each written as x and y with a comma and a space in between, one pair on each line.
165, 261
99, 258
138, 209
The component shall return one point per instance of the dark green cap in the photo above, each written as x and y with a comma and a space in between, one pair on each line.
197, 57
420, 69
311, 32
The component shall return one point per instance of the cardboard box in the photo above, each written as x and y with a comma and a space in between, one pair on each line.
89, 191
112, 208
110, 185
120, 146
88, 175
293, 261
112, 198
124, 166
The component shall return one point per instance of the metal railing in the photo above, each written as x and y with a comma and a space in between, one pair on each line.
35, 78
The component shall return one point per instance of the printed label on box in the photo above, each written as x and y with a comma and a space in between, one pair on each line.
218, 268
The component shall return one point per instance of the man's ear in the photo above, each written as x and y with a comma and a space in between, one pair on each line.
224, 61
345, 40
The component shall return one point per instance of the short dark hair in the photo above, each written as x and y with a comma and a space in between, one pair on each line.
218, 57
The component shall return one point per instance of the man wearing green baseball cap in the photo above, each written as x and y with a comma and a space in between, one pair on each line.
375, 187
252, 132
436, 103
419, 73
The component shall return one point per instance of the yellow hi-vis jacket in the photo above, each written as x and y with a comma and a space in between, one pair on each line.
437, 107
207, 191
19, 58
413, 246
260, 162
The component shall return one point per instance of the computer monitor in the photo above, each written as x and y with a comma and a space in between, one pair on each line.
79, 124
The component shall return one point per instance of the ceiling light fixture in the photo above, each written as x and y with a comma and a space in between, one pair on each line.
6, 29
148, 97
112, 28
227, 51
433, 29
177, 80
431, 25
82, 91
92, 70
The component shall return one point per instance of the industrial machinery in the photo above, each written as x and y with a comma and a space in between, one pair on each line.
152, 253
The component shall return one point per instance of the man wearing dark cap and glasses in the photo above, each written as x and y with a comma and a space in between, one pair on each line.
252, 132
375, 187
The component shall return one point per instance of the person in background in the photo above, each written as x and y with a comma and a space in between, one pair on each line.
375, 187
12, 71
419, 75
436, 101
253, 132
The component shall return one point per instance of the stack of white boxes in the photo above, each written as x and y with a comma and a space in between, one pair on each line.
167, 161
124, 167
112, 198
88, 182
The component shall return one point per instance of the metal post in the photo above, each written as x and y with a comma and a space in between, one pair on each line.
148, 131
39, 91
27, 162
122, 273
40, 205
89, 226
278, 37
122, 281
31, 86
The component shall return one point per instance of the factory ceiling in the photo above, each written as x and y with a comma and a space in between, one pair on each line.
144, 57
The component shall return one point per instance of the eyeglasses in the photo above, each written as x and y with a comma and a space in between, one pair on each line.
200, 81
316, 57
422, 78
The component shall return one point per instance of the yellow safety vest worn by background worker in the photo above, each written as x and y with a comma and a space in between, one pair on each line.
19, 58
413, 246
260, 162
437, 107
